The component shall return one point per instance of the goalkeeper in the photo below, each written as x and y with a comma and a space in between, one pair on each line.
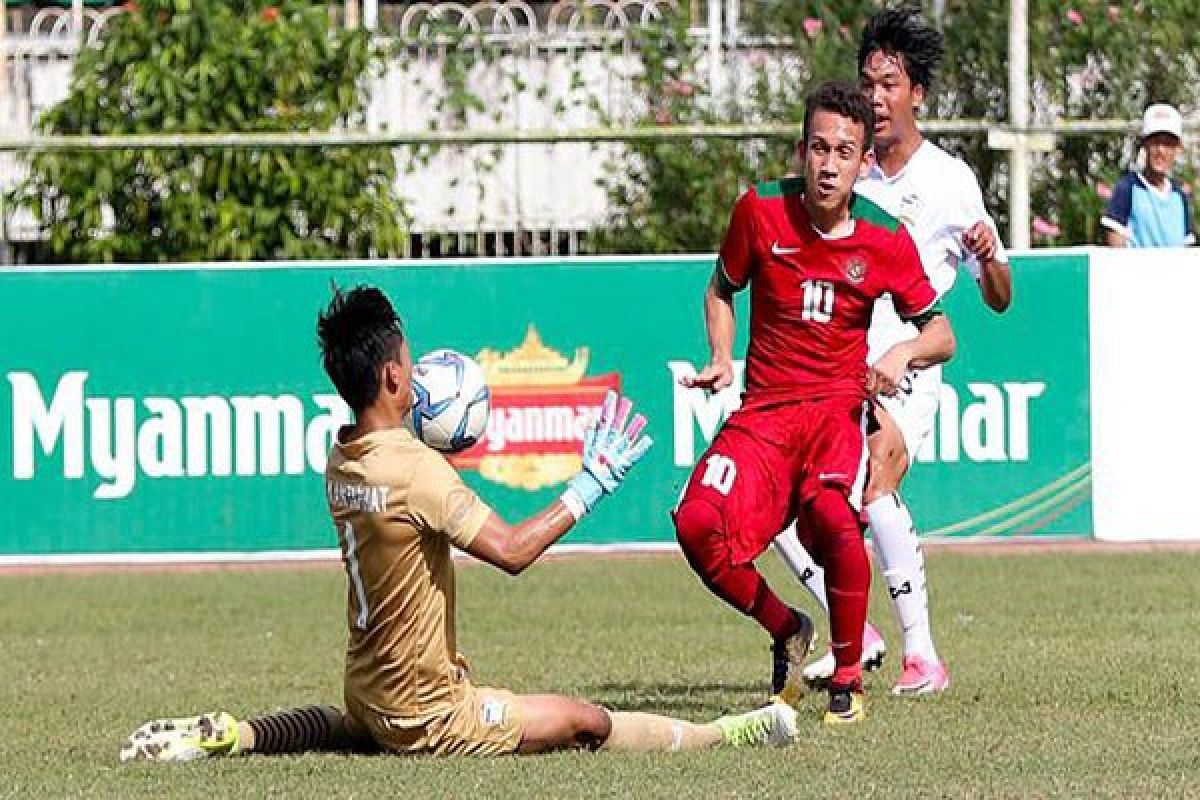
398, 506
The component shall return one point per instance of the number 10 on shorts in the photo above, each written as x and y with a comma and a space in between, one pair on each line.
719, 473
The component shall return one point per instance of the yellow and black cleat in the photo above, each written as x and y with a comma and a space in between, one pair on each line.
846, 707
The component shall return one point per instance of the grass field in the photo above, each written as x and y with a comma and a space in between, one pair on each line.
1075, 674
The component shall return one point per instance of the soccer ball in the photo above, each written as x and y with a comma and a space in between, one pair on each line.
451, 401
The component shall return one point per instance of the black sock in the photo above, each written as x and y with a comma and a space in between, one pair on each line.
298, 730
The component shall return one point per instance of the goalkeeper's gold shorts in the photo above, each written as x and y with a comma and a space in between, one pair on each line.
483, 722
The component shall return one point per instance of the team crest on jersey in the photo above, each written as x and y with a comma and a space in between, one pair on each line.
856, 270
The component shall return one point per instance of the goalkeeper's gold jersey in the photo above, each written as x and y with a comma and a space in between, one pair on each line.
398, 506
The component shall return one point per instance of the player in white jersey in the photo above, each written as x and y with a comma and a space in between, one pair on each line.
938, 197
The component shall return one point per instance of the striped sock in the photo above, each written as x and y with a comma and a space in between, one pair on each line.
297, 730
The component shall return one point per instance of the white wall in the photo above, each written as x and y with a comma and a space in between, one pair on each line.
1145, 387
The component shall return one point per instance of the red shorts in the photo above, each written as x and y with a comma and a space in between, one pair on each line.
767, 462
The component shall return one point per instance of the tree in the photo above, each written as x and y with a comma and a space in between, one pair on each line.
1090, 59
194, 66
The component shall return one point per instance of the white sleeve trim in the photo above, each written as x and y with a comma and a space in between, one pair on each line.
1113, 225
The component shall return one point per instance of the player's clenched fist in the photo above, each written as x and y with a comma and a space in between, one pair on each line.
612, 445
714, 377
980, 241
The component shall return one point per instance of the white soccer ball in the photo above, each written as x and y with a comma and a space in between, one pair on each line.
451, 401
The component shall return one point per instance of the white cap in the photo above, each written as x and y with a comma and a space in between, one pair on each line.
1162, 118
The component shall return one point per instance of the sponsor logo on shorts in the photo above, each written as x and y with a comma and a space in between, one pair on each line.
492, 712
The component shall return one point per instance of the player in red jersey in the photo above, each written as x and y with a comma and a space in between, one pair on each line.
816, 259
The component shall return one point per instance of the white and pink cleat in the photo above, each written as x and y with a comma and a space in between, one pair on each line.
818, 673
921, 676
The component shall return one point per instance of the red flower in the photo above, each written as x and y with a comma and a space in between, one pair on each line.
678, 87
270, 14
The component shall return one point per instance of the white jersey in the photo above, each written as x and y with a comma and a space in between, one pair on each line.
938, 198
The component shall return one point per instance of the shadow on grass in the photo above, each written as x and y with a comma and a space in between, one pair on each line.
667, 698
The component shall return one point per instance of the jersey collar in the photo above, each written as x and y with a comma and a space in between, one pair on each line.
876, 173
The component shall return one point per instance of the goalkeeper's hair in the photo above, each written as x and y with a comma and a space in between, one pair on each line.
357, 333
905, 33
845, 100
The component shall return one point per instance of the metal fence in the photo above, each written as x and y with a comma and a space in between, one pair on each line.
543, 148
531, 199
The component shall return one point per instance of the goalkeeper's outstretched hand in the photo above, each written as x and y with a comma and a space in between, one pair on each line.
612, 445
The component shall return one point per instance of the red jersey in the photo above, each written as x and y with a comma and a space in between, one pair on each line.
811, 297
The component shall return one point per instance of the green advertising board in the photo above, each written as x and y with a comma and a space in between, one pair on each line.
184, 410
1011, 448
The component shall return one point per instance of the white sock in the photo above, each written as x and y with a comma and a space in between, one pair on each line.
899, 554
801, 564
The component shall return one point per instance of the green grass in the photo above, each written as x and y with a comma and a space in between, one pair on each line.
1074, 675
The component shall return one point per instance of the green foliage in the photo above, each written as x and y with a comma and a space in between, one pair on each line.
1089, 60
169, 66
1094, 60
672, 197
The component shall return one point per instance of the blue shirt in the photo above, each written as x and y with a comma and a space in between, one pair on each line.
1147, 216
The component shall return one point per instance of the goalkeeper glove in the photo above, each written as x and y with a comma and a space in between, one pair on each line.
610, 449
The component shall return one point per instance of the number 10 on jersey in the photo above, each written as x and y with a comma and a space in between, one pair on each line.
818, 301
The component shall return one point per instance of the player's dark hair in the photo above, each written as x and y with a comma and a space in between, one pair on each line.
845, 100
905, 33
357, 333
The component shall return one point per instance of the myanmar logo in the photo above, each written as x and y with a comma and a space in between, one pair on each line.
541, 404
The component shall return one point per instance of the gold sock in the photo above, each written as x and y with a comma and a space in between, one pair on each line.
635, 732
245, 741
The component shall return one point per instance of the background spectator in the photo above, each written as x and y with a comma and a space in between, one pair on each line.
1149, 208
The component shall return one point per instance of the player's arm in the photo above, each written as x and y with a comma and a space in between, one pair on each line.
1116, 218
935, 344
995, 276
613, 444
734, 266
982, 244
1114, 238
512, 548
916, 301
719, 324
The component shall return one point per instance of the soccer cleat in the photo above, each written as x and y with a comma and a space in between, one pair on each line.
773, 724
845, 706
921, 676
818, 674
787, 661
183, 739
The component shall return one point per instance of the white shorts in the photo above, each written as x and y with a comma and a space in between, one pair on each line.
914, 407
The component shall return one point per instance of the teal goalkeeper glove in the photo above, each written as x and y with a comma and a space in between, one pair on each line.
610, 449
